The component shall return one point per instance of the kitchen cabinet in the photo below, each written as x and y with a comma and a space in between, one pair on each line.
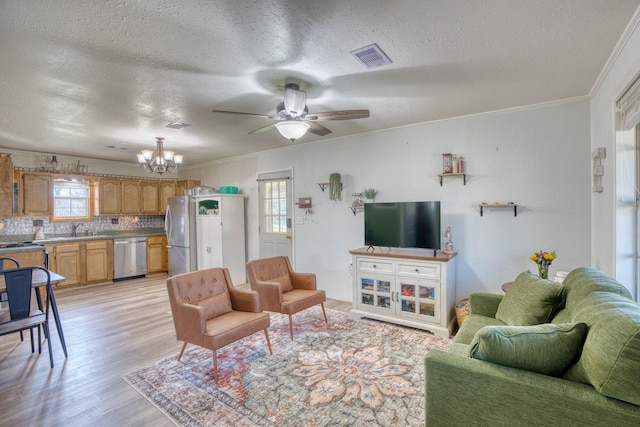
98, 261
156, 254
68, 262
109, 196
6, 186
130, 196
37, 194
410, 287
149, 197
26, 259
185, 184
167, 189
82, 262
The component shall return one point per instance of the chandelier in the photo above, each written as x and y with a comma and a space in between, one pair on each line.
160, 161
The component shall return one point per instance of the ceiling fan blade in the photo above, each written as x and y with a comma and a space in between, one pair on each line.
317, 128
263, 129
338, 115
294, 101
266, 116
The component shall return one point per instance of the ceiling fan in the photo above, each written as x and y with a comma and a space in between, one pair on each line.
293, 118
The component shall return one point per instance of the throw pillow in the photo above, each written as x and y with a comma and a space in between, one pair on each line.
285, 283
529, 301
548, 349
216, 305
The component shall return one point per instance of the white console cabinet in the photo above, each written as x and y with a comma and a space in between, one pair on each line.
411, 287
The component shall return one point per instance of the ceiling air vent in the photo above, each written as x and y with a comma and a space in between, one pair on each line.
177, 125
370, 56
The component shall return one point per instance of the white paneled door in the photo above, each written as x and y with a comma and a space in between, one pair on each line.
275, 214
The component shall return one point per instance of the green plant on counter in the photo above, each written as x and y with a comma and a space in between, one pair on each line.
370, 193
335, 186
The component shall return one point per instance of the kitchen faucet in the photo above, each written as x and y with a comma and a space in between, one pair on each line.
74, 229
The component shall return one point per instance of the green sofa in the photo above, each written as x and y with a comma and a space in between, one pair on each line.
543, 354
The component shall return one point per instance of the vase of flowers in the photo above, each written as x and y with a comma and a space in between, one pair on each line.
544, 260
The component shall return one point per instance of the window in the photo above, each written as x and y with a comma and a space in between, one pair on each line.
275, 206
71, 199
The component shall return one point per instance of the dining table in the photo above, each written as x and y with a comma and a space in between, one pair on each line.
38, 280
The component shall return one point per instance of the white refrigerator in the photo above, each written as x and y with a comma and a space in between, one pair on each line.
205, 232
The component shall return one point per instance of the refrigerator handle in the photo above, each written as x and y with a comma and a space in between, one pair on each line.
167, 221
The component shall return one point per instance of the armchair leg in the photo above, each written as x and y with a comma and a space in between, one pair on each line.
324, 312
290, 327
182, 351
266, 335
215, 367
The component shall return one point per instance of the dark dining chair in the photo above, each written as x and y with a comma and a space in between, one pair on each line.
13, 263
21, 315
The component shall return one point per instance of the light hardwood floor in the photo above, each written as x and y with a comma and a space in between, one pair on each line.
110, 330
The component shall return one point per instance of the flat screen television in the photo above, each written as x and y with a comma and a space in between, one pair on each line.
402, 225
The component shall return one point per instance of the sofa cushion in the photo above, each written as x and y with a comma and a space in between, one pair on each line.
216, 305
580, 283
471, 324
547, 349
610, 359
284, 281
529, 301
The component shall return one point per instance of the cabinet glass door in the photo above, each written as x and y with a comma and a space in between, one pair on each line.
419, 299
375, 292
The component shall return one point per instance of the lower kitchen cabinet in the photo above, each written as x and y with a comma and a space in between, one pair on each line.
157, 257
98, 261
82, 263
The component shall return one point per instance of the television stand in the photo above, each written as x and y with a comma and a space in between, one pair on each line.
410, 287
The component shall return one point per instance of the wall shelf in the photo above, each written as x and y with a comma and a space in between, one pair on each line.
355, 209
463, 175
323, 185
500, 205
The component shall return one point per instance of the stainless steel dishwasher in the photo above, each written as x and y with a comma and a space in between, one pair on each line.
129, 257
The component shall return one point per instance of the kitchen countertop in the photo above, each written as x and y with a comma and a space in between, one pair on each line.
62, 238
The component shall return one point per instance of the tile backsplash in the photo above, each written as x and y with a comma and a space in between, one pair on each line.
25, 225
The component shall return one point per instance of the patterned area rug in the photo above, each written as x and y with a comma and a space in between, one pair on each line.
347, 372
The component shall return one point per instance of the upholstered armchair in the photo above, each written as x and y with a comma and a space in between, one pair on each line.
208, 311
281, 289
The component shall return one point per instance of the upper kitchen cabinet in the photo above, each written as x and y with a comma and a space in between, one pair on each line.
185, 184
130, 196
6, 186
109, 196
37, 194
167, 189
149, 197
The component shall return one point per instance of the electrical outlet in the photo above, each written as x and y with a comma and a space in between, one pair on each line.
38, 223
114, 221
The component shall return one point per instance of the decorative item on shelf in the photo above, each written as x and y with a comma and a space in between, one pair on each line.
228, 190
544, 260
448, 245
357, 203
160, 161
370, 194
335, 186
54, 163
447, 166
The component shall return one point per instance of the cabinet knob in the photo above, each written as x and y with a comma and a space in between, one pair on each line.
417, 270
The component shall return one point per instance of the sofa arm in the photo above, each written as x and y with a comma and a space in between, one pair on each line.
484, 304
187, 318
244, 300
270, 295
460, 390
303, 281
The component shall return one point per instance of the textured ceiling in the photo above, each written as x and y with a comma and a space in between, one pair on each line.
77, 77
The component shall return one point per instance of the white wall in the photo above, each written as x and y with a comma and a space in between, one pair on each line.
610, 208
538, 157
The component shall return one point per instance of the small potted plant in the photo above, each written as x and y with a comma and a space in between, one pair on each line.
370, 194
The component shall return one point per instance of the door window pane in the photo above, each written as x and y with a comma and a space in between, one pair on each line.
275, 203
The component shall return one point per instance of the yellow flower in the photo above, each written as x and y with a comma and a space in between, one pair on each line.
533, 257
548, 257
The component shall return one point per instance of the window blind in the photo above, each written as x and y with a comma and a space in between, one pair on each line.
629, 105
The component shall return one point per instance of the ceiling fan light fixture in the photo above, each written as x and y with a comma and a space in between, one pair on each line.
292, 129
